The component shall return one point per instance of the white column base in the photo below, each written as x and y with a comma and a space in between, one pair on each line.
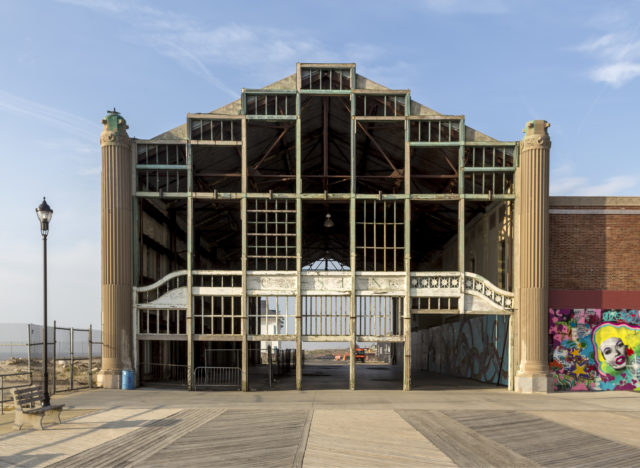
533, 383
110, 379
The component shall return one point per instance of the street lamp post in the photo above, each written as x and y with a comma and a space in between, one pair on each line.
44, 213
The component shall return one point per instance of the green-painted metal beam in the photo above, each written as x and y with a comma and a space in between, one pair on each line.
326, 92
490, 144
272, 117
263, 92
489, 169
169, 167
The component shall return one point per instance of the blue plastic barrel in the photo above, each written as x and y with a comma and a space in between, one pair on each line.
128, 380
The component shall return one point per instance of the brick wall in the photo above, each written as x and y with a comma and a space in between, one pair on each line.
592, 249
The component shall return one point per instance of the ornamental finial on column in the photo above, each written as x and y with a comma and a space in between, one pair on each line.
536, 135
115, 129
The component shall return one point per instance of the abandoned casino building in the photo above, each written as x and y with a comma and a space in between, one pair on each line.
326, 208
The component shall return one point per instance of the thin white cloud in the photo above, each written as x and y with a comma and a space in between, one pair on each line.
70, 123
199, 48
491, 7
616, 74
617, 54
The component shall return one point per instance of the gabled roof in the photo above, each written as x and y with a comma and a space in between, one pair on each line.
289, 82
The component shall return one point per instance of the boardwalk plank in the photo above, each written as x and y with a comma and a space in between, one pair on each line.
239, 438
546, 442
378, 438
142, 442
463, 445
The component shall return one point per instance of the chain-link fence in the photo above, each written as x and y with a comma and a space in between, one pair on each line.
73, 355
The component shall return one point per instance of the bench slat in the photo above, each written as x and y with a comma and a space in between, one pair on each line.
28, 389
44, 409
29, 398
29, 395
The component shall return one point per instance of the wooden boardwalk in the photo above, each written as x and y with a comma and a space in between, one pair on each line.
325, 437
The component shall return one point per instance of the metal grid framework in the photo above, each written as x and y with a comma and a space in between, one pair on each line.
215, 130
490, 170
162, 321
325, 316
161, 168
379, 315
271, 235
326, 78
217, 315
271, 315
434, 303
369, 151
380, 241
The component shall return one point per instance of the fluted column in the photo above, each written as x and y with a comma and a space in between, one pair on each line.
533, 375
116, 223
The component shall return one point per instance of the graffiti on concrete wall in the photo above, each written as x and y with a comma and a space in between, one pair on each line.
594, 349
471, 348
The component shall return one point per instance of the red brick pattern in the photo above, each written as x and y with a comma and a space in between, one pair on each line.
594, 251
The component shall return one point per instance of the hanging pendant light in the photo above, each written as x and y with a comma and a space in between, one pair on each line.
328, 222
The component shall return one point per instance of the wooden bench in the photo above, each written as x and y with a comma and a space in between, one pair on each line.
29, 409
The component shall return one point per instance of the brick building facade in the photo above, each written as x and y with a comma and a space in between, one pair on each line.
594, 287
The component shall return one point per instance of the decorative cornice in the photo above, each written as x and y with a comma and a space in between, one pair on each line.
115, 130
536, 136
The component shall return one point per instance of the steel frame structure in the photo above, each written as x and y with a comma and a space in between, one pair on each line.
471, 168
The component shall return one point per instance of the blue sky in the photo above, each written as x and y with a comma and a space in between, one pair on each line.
501, 63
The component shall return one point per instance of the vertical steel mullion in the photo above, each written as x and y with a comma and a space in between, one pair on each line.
375, 235
493, 173
222, 314
364, 242
352, 237
244, 299
276, 238
395, 228
298, 306
384, 235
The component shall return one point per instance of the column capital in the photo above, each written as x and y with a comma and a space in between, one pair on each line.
114, 131
536, 135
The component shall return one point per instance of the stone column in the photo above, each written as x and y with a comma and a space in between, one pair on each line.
533, 374
117, 277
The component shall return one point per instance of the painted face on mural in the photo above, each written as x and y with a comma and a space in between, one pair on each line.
614, 352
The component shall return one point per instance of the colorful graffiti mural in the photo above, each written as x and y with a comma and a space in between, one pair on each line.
594, 349
473, 348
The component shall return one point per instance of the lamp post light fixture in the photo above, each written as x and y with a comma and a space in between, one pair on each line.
44, 213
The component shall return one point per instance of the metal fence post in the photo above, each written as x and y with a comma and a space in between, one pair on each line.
28, 351
269, 362
90, 358
55, 345
71, 359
